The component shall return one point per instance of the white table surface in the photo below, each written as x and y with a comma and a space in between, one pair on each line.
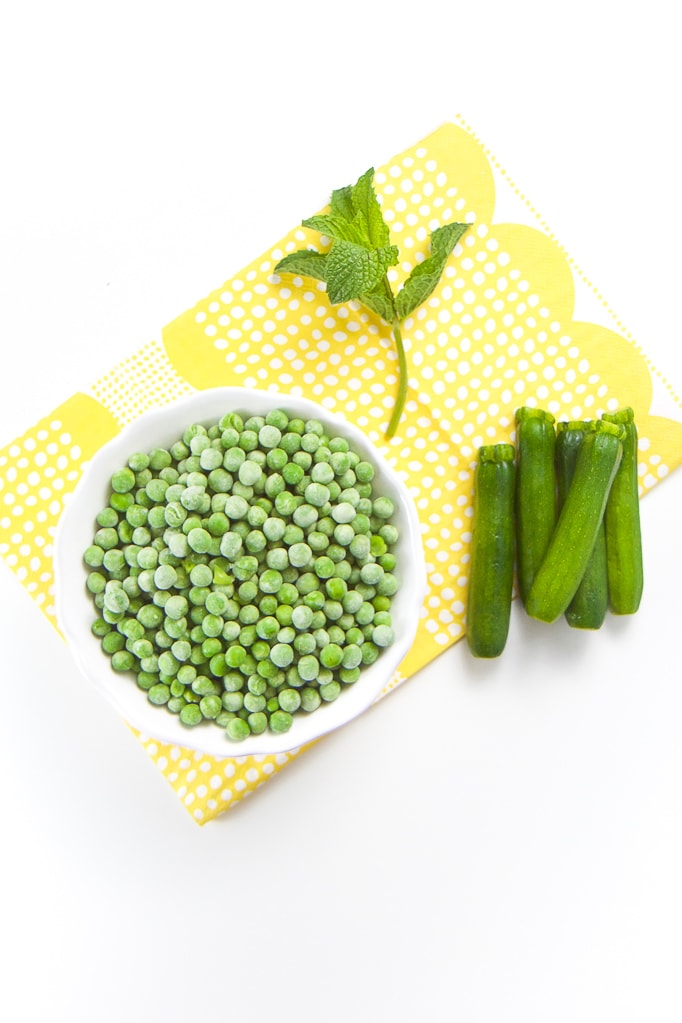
495, 841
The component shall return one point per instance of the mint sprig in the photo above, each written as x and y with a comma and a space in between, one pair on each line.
356, 265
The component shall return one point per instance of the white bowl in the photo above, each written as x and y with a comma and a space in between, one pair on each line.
76, 612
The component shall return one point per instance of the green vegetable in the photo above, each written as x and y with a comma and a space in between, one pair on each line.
491, 569
568, 554
535, 491
232, 604
587, 609
622, 524
356, 265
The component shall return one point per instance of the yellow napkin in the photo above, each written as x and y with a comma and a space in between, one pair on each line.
498, 332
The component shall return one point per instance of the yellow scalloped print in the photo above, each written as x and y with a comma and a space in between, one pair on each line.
497, 333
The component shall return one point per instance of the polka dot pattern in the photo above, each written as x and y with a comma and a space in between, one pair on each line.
139, 383
498, 332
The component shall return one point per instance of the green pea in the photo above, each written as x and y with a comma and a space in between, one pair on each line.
238, 729
280, 722
191, 715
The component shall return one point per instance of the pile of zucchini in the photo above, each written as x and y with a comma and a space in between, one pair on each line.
562, 507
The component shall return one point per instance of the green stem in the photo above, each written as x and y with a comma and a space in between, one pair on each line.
402, 381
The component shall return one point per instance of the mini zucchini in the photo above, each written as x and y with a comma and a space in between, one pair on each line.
576, 530
588, 607
622, 524
491, 567
535, 492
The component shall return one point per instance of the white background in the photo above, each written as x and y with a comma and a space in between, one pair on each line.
495, 841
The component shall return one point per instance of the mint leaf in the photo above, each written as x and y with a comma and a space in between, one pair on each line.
342, 202
338, 228
425, 276
352, 269
380, 301
305, 262
366, 204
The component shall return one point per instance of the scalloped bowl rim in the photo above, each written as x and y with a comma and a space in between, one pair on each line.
75, 612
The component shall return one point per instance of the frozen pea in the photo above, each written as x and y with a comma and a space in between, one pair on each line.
382, 635
234, 457
287, 593
158, 694
269, 436
210, 706
212, 625
93, 556
247, 592
201, 575
231, 544
308, 667
282, 655
106, 537
165, 577
244, 567
96, 582
316, 494
115, 598
254, 703
236, 507
292, 473
301, 617
365, 613
314, 600
371, 573
322, 472
217, 524
175, 606
300, 554
336, 589
344, 534
317, 541
383, 507
211, 458
331, 655
273, 529
123, 481
248, 440
112, 642
237, 729
305, 516
304, 643
330, 691
359, 547
289, 700
267, 627
387, 585
199, 539
257, 722
270, 581
339, 462
156, 489
280, 722
278, 557
323, 567
310, 699
343, 512
249, 473
364, 471
286, 503
191, 715
292, 534
255, 541
276, 459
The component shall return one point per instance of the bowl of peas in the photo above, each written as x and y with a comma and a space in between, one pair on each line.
239, 572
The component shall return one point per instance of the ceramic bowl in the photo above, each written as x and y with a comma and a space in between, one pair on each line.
76, 612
